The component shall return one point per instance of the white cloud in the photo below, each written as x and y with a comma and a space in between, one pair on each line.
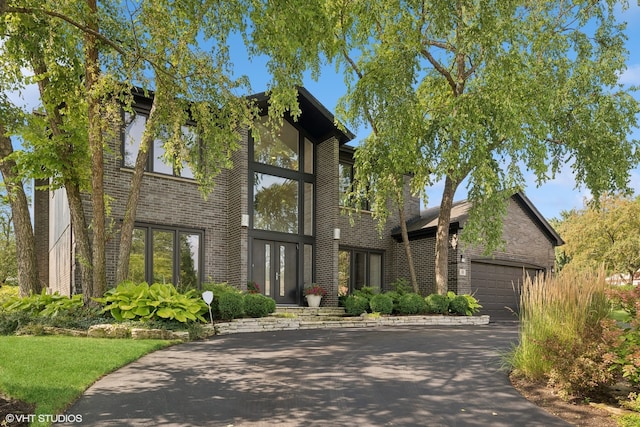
630, 76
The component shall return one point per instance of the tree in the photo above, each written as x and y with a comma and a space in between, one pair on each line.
492, 89
85, 83
27, 266
606, 233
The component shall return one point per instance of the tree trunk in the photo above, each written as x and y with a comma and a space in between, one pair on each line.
126, 231
81, 238
71, 184
442, 237
98, 223
407, 250
28, 280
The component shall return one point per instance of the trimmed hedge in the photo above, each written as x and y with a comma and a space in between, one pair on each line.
355, 305
381, 303
437, 304
258, 305
230, 305
459, 305
412, 304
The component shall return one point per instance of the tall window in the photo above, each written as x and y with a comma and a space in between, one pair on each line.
164, 255
345, 182
159, 160
283, 181
358, 268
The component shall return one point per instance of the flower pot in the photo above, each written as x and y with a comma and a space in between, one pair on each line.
314, 300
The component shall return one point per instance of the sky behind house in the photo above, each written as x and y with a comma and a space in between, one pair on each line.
551, 198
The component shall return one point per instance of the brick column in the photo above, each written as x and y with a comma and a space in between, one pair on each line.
327, 211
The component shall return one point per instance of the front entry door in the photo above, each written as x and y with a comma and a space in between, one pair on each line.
275, 270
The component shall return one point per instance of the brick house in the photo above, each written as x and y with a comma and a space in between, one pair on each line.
529, 248
240, 232
276, 217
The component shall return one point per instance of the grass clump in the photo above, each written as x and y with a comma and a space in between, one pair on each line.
561, 330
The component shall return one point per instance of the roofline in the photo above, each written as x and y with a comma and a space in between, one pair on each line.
529, 206
302, 91
458, 223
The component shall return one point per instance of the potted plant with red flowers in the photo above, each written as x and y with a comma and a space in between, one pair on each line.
314, 294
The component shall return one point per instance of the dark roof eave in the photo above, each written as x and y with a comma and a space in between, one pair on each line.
315, 117
521, 199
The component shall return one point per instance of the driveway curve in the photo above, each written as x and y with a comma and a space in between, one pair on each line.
409, 376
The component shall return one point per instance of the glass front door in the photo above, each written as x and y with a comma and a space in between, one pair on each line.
275, 270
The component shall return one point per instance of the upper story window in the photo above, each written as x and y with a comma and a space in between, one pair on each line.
345, 183
159, 160
277, 149
282, 186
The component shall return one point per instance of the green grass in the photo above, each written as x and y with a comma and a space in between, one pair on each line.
53, 371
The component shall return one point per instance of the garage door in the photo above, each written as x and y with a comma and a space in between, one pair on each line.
497, 288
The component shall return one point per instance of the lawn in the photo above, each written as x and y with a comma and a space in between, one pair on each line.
53, 371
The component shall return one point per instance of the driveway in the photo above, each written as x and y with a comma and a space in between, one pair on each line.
411, 376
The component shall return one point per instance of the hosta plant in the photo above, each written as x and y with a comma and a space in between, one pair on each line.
44, 304
130, 301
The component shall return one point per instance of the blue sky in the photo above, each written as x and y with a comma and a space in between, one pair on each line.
551, 198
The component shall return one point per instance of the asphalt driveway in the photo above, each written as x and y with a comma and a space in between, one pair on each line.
413, 376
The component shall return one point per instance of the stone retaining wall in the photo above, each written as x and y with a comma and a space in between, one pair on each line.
284, 324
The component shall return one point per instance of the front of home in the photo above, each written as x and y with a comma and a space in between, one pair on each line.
277, 217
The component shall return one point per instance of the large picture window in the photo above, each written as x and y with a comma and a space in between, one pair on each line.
358, 268
275, 203
165, 255
159, 161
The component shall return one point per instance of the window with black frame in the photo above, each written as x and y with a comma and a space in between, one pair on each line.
166, 255
358, 268
346, 181
163, 158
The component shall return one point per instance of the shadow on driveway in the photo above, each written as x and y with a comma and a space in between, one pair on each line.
413, 376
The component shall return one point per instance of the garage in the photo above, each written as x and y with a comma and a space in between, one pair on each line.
497, 287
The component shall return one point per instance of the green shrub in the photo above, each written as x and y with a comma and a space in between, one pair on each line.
7, 292
401, 286
381, 303
437, 304
412, 304
129, 301
459, 305
355, 305
258, 305
230, 305
218, 290
11, 321
395, 298
366, 292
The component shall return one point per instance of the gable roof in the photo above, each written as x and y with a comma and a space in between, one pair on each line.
426, 224
315, 118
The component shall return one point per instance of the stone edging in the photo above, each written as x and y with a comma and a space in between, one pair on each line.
271, 323
283, 324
